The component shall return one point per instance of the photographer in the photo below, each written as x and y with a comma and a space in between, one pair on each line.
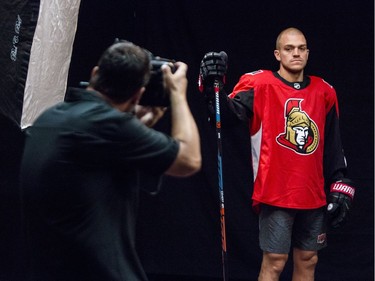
81, 165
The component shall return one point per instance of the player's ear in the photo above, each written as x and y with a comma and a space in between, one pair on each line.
277, 54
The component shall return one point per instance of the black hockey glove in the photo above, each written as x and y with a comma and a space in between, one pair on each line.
339, 202
213, 67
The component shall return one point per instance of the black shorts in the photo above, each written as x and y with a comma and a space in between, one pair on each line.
281, 228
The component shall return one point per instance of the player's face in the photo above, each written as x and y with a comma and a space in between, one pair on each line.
292, 52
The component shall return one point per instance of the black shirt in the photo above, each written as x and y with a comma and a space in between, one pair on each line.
79, 185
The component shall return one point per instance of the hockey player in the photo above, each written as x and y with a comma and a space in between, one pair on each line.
297, 154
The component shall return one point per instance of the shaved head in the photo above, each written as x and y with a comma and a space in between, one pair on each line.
290, 30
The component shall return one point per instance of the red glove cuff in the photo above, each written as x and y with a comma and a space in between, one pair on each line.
343, 188
200, 83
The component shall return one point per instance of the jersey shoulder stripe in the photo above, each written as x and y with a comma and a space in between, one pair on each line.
251, 80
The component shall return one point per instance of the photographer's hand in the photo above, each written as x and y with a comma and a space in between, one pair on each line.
149, 115
176, 83
184, 128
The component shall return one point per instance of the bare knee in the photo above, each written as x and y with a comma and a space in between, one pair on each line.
305, 259
272, 266
304, 265
277, 261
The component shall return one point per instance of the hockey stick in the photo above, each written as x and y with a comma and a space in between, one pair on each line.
220, 178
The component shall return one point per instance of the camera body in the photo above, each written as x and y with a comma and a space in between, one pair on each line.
155, 94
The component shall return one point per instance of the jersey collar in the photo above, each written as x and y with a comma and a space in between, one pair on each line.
294, 85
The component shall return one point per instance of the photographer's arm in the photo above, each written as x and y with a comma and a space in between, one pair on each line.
184, 128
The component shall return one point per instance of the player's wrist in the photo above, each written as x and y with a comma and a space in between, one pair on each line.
344, 188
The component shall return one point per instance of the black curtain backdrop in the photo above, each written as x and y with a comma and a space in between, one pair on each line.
17, 27
179, 228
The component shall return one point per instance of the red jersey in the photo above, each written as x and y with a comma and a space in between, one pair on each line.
288, 133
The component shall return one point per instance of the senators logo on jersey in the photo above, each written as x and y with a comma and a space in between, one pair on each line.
301, 133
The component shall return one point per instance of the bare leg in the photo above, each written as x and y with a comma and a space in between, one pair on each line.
304, 265
272, 266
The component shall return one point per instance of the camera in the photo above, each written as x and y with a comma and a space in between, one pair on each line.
155, 94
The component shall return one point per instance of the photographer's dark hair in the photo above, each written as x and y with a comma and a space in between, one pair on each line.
123, 69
